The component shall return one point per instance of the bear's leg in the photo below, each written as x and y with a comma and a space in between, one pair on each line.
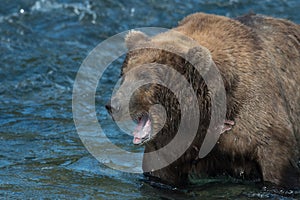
279, 164
171, 175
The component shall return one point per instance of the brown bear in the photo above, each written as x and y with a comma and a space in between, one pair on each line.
258, 58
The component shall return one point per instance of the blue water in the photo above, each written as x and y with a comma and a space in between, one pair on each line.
42, 45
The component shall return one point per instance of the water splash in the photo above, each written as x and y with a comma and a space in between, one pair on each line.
80, 9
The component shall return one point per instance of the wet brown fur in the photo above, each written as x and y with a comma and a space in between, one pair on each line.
259, 60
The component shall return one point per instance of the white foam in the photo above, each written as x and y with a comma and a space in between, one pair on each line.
80, 9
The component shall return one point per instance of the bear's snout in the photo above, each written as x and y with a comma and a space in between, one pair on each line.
113, 106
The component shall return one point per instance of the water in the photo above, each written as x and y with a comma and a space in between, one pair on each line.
42, 45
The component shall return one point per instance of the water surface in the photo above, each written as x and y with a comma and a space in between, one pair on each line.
42, 45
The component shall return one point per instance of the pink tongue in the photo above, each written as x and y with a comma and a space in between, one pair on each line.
141, 131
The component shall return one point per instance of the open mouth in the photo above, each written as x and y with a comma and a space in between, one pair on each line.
142, 132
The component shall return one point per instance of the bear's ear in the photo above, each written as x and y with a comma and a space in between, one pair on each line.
134, 37
200, 58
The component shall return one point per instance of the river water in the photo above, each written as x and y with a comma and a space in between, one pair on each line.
42, 45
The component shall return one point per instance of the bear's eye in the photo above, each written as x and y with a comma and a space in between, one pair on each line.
144, 76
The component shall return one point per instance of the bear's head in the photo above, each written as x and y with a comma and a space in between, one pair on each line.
158, 77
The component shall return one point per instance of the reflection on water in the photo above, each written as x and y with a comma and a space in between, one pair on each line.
42, 44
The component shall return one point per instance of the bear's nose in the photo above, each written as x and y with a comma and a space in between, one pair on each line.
108, 108
112, 106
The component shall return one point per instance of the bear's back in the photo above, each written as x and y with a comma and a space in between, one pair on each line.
282, 39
